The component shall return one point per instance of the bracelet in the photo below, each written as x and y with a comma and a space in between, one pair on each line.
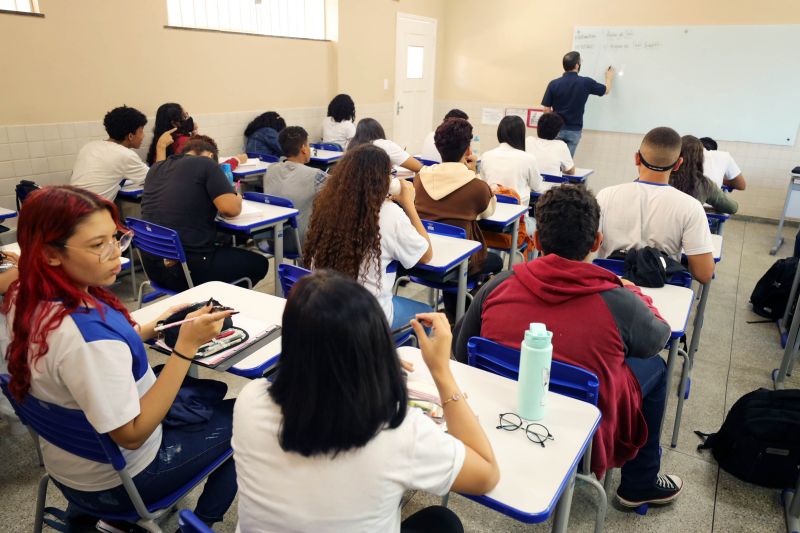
455, 397
179, 354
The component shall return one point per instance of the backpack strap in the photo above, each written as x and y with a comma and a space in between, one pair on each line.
705, 436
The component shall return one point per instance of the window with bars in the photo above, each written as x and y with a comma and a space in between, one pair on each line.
282, 18
23, 6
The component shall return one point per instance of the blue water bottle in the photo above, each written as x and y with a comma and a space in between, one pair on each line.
226, 168
536, 354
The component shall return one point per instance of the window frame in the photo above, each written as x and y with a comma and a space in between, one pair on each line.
35, 11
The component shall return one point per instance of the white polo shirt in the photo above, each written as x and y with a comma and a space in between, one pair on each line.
397, 155
101, 165
638, 214
429, 150
512, 168
337, 132
552, 156
719, 165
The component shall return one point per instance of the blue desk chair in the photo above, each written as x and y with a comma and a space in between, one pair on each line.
164, 243
565, 379
437, 228
288, 275
505, 199
267, 158
69, 430
716, 221
189, 523
331, 147
281, 202
426, 162
558, 179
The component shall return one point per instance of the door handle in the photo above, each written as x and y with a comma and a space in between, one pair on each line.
399, 107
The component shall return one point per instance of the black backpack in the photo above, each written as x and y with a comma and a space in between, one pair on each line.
771, 294
759, 441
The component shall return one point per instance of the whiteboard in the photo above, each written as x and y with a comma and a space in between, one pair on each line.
732, 83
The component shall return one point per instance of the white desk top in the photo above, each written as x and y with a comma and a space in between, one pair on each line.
716, 240
505, 214
325, 156
403, 173
14, 247
582, 172
249, 170
448, 252
258, 215
531, 477
253, 304
674, 303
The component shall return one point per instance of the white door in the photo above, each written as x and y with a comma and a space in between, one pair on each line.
415, 66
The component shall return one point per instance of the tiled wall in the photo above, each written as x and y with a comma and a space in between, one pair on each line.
766, 167
45, 153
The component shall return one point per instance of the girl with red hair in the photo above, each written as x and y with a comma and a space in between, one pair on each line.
74, 344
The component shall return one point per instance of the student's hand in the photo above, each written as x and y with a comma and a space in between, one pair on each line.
472, 162
610, 72
11, 257
242, 158
406, 365
407, 194
436, 347
198, 332
494, 188
627, 282
166, 139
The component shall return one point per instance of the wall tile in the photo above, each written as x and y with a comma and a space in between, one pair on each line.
39, 165
81, 129
52, 148
5, 152
50, 132
33, 132
19, 150
69, 146
3, 135
36, 149
6, 170
66, 130
22, 167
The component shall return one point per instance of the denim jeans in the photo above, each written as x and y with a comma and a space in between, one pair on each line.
572, 138
184, 452
641, 471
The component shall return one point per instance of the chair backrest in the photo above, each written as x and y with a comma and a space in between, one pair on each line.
332, 147
289, 274
23, 189
427, 162
66, 428
565, 379
267, 158
189, 523
555, 179
505, 199
617, 266
156, 240
444, 229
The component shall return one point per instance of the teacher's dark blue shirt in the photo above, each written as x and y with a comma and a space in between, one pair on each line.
567, 96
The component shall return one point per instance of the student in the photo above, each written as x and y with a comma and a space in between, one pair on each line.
262, 134
689, 178
339, 126
509, 164
358, 230
331, 445
452, 193
370, 130
720, 167
649, 212
74, 344
292, 179
568, 94
185, 193
552, 154
173, 119
429, 150
600, 323
101, 166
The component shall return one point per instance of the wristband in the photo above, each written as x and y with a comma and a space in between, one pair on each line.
455, 397
179, 354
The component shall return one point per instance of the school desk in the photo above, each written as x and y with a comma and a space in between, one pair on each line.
505, 215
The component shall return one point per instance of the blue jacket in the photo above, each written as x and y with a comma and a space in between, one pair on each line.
264, 141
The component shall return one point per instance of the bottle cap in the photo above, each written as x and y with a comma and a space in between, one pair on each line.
537, 335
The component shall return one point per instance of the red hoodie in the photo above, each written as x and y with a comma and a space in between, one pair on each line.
596, 323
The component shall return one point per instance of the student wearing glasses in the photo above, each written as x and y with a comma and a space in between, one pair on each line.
73, 343
600, 323
331, 445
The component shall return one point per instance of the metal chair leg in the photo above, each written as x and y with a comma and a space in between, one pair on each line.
602, 500
41, 498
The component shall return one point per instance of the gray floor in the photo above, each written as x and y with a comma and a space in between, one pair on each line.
734, 358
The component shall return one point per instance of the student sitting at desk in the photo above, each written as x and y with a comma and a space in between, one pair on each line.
552, 154
101, 166
429, 150
185, 193
73, 344
689, 178
649, 212
292, 179
510, 165
720, 167
332, 445
262, 134
370, 130
175, 122
358, 230
339, 126
452, 193
600, 323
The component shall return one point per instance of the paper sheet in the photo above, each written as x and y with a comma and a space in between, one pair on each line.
491, 116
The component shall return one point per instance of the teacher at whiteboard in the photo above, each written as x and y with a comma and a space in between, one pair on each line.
567, 96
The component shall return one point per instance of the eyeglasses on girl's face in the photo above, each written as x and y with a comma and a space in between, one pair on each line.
105, 250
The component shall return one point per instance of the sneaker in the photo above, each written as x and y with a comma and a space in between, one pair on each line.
665, 489
118, 526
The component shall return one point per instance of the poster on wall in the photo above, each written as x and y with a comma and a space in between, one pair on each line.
520, 112
533, 116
